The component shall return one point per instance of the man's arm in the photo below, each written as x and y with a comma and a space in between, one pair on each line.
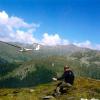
62, 77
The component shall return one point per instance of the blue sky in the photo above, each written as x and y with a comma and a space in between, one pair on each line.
65, 21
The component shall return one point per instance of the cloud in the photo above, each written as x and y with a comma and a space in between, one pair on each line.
66, 42
86, 44
13, 28
97, 46
53, 39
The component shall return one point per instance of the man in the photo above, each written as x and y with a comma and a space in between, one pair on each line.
68, 80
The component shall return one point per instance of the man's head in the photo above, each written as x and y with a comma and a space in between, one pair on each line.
66, 68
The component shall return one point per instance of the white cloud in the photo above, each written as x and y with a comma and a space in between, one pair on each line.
51, 39
3, 17
86, 44
16, 29
24, 36
65, 42
97, 46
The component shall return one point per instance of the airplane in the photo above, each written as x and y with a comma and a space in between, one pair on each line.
25, 49
37, 46
22, 49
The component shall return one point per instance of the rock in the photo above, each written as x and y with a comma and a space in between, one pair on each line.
48, 97
71, 98
31, 90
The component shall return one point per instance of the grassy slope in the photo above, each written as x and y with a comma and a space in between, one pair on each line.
83, 88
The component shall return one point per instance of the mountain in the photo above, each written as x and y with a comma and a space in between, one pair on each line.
12, 54
38, 71
23, 69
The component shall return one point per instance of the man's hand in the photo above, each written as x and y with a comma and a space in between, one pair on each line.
54, 79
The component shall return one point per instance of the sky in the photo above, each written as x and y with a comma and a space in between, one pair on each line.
51, 22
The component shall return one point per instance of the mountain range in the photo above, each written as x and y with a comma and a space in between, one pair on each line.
21, 69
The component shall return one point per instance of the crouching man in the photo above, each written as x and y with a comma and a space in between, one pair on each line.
67, 80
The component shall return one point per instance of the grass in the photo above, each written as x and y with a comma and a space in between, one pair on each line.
83, 88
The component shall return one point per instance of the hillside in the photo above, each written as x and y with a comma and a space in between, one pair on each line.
28, 75
83, 88
19, 69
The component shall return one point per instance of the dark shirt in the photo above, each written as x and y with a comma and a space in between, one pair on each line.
68, 77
